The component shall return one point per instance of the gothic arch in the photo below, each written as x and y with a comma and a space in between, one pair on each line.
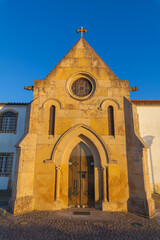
60, 158
72, 137
72, 144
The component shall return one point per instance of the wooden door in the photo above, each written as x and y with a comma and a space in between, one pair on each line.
81, 177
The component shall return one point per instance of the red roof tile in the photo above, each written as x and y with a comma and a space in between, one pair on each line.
146, 102
12, 103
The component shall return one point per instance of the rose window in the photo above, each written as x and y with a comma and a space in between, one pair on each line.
81, 87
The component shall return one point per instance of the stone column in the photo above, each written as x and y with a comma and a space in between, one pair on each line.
104, 184
105, 203
57, 201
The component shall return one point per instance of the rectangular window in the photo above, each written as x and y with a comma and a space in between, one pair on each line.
6, 160
8, 123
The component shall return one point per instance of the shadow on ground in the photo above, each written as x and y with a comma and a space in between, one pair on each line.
98, 225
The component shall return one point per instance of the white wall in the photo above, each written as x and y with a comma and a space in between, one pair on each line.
149, 123
8, 140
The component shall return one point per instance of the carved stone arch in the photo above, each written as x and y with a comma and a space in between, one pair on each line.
51, 101
61, 155
107, 102
72, 144
75, 134
81, 73
44, 115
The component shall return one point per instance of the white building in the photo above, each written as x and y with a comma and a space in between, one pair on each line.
149, 122
13, 123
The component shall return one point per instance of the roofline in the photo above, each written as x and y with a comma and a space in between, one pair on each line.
99, 57
13, 103
60, 60
146, 102
81, 39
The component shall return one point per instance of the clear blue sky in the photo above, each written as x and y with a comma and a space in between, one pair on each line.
36, 34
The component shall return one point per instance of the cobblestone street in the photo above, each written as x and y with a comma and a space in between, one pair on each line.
66, 225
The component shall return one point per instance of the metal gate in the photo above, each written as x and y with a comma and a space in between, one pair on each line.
81, 177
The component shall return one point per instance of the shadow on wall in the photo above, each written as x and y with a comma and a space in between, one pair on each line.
136, 161
149, 140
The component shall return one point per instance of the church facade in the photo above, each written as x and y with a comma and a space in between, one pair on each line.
82, 145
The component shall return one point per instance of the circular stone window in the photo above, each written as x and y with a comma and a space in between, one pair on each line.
82, 87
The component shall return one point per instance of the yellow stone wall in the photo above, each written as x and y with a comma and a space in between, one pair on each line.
75, 120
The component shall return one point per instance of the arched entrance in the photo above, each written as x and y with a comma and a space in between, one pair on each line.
81, 177
61, 157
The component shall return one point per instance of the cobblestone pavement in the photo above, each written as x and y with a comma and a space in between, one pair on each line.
64, 225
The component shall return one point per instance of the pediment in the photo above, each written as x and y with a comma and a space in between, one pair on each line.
81, 57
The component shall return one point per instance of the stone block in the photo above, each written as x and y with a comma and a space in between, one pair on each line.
100, 125
21, 205
25, 180
114, 171
114, 206
63, 125
144, 207
26, 166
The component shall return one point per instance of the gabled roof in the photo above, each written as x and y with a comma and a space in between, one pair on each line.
82, 56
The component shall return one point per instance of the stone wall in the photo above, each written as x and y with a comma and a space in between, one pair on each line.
42, 159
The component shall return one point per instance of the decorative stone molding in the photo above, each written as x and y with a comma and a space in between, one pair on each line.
80, 75
107, 102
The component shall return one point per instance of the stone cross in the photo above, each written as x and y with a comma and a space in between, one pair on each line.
81, 29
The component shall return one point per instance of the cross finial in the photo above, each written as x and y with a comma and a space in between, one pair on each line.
81, 29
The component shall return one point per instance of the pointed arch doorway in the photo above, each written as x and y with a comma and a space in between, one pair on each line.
81, 177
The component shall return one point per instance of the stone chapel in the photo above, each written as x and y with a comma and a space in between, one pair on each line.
82, 146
